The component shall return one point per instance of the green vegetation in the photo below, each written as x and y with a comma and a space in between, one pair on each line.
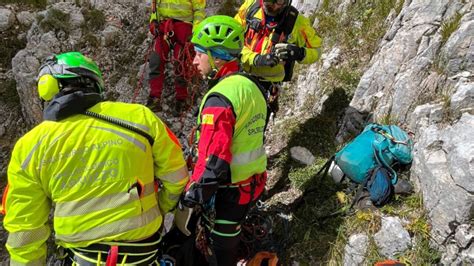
55, 20
450, 26
229, 8
33, 3
94, 19
409, 208
357, 33
387, 119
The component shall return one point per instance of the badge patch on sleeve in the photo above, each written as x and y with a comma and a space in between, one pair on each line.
208, 119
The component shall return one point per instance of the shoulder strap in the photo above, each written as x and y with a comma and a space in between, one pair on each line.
252, 11
120, 123
287, 26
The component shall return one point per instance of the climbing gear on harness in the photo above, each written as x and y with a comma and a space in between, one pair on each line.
257, 231
145, 252
205, 225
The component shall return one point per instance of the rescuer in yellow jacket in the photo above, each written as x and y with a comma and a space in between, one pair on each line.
276, 37
171, 23
98, 164
276, 34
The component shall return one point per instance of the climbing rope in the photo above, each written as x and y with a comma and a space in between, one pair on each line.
257, 231
185, 68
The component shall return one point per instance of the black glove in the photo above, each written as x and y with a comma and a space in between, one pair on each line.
199, 194
270, 60
289, 52
154, 27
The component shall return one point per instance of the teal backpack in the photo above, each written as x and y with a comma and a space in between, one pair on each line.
369, 159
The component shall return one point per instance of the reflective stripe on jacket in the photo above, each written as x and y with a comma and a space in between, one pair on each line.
248, 103
303, 35
185, 10
99, 176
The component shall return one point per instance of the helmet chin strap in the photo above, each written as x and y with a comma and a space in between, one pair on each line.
213, 66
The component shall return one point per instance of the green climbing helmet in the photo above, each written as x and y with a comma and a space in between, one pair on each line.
72, 65
220, 32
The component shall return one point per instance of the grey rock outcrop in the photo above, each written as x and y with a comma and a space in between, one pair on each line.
392, 238
354, 252
123, 45
7, 18
302, 155
442, 168
25, 18
422, 77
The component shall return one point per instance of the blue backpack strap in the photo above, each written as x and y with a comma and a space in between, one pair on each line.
378, 152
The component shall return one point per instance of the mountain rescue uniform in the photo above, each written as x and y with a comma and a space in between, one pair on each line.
99, 176
231, 161
171, 22
265, 32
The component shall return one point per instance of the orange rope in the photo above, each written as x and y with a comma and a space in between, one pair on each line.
142, 75
189, 72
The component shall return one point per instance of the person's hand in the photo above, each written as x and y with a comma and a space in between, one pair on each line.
154, 27
289, 52
270, 60
191, 198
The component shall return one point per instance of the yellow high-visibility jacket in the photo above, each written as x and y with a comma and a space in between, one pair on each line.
302, 35
100, 178
192, 11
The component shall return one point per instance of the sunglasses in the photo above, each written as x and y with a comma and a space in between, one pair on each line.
280, 2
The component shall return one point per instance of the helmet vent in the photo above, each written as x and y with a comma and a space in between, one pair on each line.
229, 32
206, 30
218, 40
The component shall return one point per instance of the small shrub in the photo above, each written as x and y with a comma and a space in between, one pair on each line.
450, 26
387, 119
55, 20
94, 19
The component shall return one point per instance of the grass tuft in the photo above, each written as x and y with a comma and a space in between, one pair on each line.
450, 26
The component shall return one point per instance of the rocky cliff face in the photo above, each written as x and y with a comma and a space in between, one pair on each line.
423, 77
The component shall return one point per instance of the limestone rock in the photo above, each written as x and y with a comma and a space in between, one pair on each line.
110, 35
354, 252
446, 182
25, 18
464, 235
302, 155
392, 238
7, 18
